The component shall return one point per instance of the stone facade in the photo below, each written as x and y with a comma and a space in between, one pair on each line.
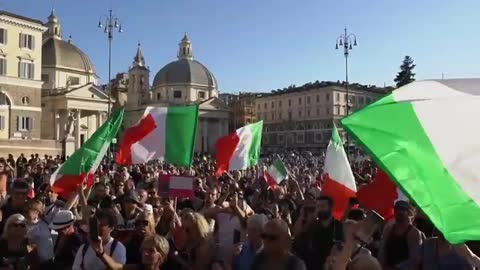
302, 117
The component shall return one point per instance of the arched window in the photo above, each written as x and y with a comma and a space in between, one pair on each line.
4, 100
184, 50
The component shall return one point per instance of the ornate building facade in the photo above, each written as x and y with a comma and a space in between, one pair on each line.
181, 82
49, 99
302, 117
73, 106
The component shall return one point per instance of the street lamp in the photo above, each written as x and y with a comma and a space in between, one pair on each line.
346, 40
112, 22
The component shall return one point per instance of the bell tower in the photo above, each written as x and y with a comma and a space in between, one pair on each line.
138, 81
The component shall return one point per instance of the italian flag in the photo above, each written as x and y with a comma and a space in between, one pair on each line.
239, 150
276, 173
84, 162
426, 137
176, 186
338, 181
163, 133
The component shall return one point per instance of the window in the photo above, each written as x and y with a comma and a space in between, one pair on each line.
273, 104
280, 115
345, 97
73, 80
308, 112
299, 100
318, 137
369, 100
337, 109
27, 41
2, 122
45, 78
24, 123
327, 111
327, 97
318, 98
4, 99
177, 94
3, 36
300, 138
289, 102
3, 66
318, 111
273, 116
280, 104
299, 113
265, 105
337, 97
159, 96
201, 94
290, 116
26, 70
308, 100
25, 100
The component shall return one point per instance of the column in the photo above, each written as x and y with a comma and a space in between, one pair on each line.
99, 119
205, 134
77, 128
56, 124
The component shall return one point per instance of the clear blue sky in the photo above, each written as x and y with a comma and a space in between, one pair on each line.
259, 45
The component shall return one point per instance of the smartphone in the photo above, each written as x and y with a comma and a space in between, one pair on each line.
368, 226
236, 236
94, 232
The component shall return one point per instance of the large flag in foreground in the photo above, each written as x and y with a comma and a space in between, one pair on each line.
239, 150
165, 133
338, 180
85, 161
426, 137
276, 173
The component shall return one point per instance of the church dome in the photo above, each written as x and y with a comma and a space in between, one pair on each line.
59, 53
185, 70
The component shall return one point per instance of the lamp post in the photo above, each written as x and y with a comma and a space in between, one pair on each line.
112, 22
346, 40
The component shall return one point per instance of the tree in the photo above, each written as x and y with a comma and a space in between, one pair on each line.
406, 75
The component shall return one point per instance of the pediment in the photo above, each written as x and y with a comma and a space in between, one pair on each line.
214, 104
88, 91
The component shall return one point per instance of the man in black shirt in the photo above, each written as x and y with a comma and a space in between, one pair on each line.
16, 203
69, 239
317, 235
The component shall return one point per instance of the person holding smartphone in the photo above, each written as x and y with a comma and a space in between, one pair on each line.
102, 249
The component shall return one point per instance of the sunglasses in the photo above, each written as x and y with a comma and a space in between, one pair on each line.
269, 237
18, 225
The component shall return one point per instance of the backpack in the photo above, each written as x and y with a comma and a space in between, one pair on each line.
292, 262
86, 246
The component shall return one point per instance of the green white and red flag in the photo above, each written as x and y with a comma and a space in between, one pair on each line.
84, 162
425, 136
338, 181
276, 173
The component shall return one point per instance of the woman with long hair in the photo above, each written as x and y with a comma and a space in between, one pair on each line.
15, 250
199, 250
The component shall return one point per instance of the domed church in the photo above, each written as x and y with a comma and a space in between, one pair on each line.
73, 106
181, 82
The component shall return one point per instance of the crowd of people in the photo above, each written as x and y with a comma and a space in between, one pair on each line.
233, 222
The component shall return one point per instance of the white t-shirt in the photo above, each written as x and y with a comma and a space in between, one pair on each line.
92, 262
